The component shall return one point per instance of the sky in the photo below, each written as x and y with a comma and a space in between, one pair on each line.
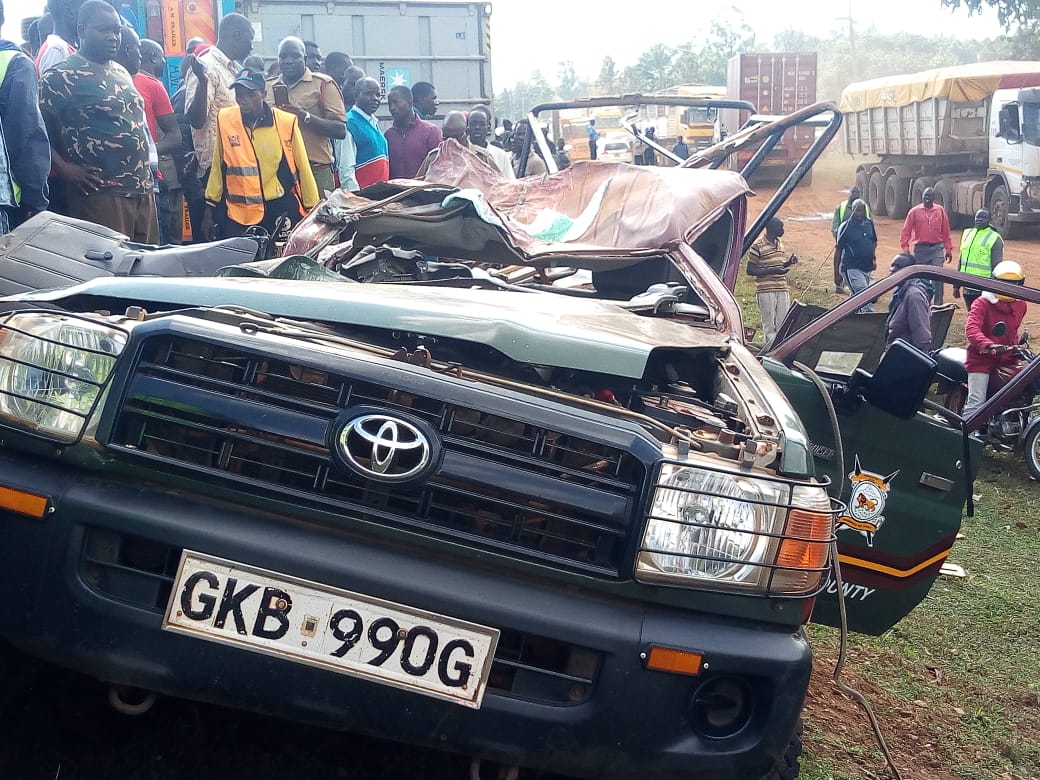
530, 34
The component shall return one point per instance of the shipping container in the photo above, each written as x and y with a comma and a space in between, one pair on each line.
774, 83
445, 43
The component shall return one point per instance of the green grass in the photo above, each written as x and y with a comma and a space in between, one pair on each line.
971, 647
808, 285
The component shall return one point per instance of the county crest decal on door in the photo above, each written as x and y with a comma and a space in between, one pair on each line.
865, 511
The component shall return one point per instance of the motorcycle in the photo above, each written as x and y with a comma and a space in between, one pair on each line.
1013, 428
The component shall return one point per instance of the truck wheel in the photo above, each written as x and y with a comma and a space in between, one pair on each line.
1031, 449
786, 766
998, 211
946, 196
876, 194
863, 182
897, 196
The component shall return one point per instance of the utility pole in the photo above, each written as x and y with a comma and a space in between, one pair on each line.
853, 69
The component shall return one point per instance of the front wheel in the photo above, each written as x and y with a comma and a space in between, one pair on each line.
1031, 450
786, 766
1001, 220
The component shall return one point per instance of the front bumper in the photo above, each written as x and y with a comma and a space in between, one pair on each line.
75, 601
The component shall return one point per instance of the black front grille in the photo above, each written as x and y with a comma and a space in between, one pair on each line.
508, 482
140, 572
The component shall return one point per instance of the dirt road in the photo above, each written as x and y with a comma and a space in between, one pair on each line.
807, 220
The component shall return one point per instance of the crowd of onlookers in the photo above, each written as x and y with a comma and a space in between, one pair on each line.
90, 130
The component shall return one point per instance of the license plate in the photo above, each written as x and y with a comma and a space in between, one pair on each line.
307, 622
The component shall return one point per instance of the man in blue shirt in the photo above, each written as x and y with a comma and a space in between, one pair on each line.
593, 135
857, 245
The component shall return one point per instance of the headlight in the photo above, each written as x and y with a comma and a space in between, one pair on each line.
726, 531
53, 370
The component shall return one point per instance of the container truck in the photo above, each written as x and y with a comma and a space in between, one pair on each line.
445, 43
970, 131
775, 83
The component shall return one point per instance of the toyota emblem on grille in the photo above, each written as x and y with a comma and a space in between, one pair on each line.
385, 447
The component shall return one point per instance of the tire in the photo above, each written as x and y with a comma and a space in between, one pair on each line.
998, 210
944, 197
863, 181
786, 766
876, 195
1031, 451
897, 196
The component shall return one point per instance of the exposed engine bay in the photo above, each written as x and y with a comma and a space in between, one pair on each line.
684, 397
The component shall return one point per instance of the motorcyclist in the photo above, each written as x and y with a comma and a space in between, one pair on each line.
989, 351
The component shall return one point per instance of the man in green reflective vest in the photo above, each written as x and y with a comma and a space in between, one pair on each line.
981, 249
841, 213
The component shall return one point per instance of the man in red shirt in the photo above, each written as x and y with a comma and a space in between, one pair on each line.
165, 132
929, 228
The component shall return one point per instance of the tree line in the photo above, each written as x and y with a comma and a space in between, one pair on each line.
844, 56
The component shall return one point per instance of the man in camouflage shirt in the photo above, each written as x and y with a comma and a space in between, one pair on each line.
96, 122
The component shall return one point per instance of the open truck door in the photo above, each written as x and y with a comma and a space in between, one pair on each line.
904, 465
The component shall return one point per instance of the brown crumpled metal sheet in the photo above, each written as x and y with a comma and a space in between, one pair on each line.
590, 208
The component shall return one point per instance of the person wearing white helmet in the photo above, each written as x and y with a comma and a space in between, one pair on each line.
988, 351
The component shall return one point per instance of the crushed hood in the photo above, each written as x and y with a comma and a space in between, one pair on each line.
608, 212
536, 328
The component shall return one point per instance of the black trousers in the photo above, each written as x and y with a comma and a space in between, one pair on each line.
195, 194
273, 210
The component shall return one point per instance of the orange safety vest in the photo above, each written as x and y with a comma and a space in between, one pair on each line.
243, 188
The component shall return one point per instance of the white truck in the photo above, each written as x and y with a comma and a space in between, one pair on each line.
971, 131
445, 43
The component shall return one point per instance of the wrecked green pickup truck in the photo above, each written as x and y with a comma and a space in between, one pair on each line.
444, 476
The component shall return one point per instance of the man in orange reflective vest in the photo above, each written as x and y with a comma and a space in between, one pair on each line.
256, 176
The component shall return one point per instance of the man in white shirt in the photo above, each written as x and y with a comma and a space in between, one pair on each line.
478, 125
59, 45
207, 85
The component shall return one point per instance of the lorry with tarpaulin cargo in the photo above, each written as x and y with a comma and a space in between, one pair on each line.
970, 131
445, 43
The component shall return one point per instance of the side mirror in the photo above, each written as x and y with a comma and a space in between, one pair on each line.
901, 380
1000, 328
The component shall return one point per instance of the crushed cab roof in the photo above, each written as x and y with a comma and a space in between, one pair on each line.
466, 210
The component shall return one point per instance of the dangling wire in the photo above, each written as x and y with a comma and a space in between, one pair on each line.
849, 691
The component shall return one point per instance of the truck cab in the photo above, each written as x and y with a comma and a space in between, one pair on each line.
1014, 153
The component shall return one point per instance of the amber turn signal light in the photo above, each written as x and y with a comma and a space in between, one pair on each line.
23, 503
664, 659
